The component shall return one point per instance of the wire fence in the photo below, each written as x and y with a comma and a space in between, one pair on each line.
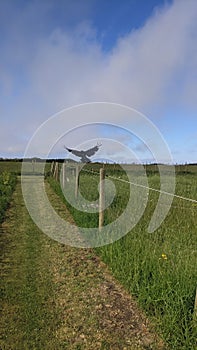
76, 173
143, 186
77, 170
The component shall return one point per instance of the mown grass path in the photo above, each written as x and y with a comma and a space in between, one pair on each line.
58, 297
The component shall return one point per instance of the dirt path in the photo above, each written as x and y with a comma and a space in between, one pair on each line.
58, 297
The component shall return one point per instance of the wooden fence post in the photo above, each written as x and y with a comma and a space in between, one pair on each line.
52, 166
63, 174
33, 165
56, 171
76, 181
101, 198
195, 306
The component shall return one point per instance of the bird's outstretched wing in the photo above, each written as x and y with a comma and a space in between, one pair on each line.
74, 151
92, 150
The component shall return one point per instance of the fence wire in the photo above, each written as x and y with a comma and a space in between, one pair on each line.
149, 188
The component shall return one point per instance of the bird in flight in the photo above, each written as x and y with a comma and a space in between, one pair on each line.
84, 154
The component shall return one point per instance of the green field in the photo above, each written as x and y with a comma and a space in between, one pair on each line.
55, 296
10, 166
7, 185
158, 268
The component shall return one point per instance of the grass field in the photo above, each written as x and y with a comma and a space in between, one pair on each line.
158, 268
10, 166
57, 297
7, 185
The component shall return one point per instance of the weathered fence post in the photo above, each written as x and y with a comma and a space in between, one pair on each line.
101, 198
56, 170
52, 165
76, 181
195, 306
63, 174
33, 165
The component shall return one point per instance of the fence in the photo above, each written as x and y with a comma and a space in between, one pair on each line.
76, 172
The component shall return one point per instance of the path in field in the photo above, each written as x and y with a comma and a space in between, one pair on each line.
58, 297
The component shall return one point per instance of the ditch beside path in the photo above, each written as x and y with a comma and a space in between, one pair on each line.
59, 297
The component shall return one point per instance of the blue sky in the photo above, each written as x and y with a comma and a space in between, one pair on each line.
139, 53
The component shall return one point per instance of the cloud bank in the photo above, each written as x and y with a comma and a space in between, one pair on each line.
152, 69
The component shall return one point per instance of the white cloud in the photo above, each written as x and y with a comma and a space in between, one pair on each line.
141, 71
151, 68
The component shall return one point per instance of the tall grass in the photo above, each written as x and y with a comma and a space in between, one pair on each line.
10, 166
7, 185
158, 268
